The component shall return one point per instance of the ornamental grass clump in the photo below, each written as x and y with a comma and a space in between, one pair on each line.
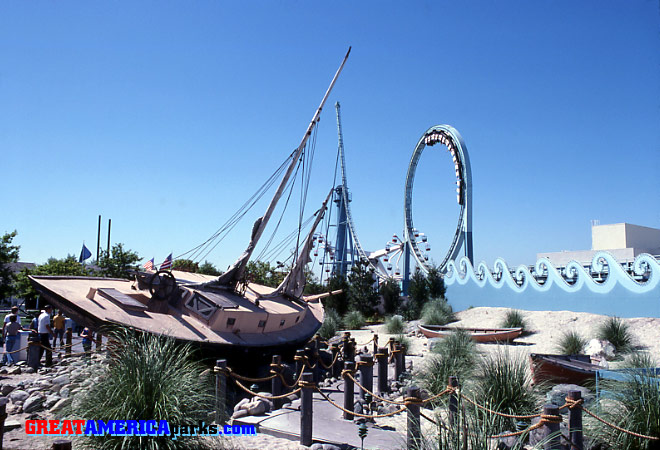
633, 405
395, 325
571, 343
147, 377
437, 312
454, 355
514, 319
331, 324
618, 333
354, 320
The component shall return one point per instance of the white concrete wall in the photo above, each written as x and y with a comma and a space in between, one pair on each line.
586, 256
608, 236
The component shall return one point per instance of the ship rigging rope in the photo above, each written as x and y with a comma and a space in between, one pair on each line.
308, 154
238, 215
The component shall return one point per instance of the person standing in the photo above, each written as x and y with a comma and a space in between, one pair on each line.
11, 336
14, 311
87, 341
58, 323
45, 332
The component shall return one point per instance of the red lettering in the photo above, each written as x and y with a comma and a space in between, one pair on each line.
79, 424
52, 427
29, 426
42, 427
67, 428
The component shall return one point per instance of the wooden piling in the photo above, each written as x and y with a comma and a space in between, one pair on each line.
300, 362
381, 356
397, 361
69, 340
575, 422
276, 382
453, 402
349, 389
61, 444
375, 343
354, 349
3, 417
550, 430
220, 390
366, 373
99, 341
414, 438
336, 369
306, 417
403, 358
33, 352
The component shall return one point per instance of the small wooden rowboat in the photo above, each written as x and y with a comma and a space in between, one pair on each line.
478, 334
574, 369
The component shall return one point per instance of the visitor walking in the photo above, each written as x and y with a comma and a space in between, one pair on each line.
11, 336
45, 332
58, 323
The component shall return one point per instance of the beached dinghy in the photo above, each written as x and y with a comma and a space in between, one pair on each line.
478, 334
574, 369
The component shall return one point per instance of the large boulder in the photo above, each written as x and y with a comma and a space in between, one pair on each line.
6, 389
18, 395
600, 349
32, 404
559, 392
62, 379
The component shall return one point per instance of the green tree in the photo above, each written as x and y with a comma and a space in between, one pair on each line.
391, 293
8, 255
312, 284
436, 283
362, 294
120, 263
68, 266
207, 268
261, 272
337, 302
185, 265
418, 295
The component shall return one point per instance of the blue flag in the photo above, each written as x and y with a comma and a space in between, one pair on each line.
84, 253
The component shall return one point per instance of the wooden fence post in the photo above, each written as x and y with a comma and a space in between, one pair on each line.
306, 418
62, 444
33, 356
336, 369
349, 389
99, 341
300, 363
550, 431
453, 401
403, 358
276, 382
575, 422
397, 361
3, 416
414, 429
366, 373
375, 343
69, 340
220, 390
381, 356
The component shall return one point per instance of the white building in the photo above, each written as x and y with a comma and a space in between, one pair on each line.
624, 241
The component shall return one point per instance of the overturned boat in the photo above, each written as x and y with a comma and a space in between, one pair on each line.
477, 334
227, 312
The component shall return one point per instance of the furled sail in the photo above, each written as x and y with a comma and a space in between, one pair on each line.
236, 271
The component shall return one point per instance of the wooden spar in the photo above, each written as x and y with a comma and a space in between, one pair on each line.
238, 268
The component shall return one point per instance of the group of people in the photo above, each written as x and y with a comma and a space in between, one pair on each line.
44, 326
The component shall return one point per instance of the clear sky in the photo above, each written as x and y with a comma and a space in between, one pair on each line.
165, 116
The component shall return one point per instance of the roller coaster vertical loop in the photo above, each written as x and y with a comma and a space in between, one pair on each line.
451, 138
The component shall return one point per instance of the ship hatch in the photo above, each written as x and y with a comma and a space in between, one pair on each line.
121, 299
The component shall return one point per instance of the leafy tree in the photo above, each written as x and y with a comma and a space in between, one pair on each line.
68, 266
207, 268
337, 302
418, 295
8, 254
362, 295
185, 265
391, 293
312, 284
261, 272
121, 263
436, 283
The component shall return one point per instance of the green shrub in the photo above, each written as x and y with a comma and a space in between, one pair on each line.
331, 324
395, 325
617, 332
503, 381
354, 320
391, 293
571, 343
640, 360
149, 377
454, 355
437, 312
514, 319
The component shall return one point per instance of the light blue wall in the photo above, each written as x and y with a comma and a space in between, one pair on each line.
619, 294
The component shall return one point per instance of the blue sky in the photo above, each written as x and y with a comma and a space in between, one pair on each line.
166, 116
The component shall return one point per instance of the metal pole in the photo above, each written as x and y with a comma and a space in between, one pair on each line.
98, 242
276, 383
220, 390
414, 429
109, 226
366, 374
575, 422
349, 390
381, 356
306, 415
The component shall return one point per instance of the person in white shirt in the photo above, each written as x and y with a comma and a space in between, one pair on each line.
45, 332
14, 311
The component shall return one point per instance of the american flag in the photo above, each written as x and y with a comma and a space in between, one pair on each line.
167, 264
149, 265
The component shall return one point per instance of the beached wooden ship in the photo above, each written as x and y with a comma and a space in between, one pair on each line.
573, 369
226, 311
477, 334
